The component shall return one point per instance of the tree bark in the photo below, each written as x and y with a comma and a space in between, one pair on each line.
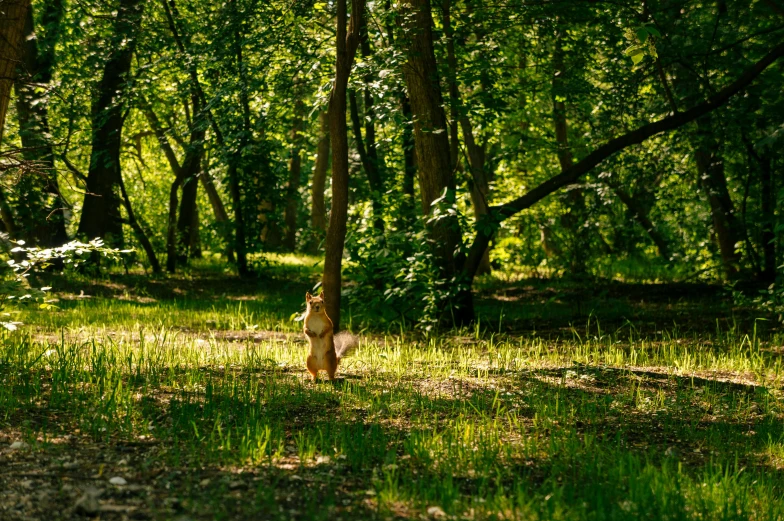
347, 42
454, 95
141, 236
369, 164
240, 244
318, 210
641, 216
295, 174
187, 234
409, 160
40, 207
218, 210
710, 168
768, 210
480, 183
172, 14
178, 230
574, 220
101, 209
436, 176
12, 23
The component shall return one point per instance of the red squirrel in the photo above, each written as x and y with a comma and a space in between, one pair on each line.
326, 349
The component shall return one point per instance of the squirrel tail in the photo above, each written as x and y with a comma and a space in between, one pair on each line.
345, 343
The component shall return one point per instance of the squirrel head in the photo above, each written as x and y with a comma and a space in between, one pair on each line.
315, 304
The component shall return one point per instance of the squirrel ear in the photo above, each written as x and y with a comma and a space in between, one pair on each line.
307, 296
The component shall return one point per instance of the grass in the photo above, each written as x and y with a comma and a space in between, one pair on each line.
198, 398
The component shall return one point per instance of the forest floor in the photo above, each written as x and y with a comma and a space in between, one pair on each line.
187, 398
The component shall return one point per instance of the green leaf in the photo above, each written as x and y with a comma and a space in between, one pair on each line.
634, 49
642, 34
637, 58
653, 31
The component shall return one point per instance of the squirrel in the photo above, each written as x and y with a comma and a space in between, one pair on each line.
326, 349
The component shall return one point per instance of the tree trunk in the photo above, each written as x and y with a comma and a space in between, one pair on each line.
641, 216
195, 238
141, 236
40, 206
480, 184
185, 219
370, 165
101, 209
409, 156
454, 96
240, 244
574, 220
710, 168
13, 14
295, 174
178, 230
768, 209
347, 42
436, 177
219, 210
318, 211
409, 160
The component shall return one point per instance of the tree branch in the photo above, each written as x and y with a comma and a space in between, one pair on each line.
576, 171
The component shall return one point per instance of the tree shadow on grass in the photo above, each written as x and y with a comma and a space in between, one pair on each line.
320, 448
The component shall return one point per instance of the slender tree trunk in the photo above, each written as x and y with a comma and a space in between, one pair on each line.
347, 42
641, 216
141, 236
318, 210
454, 95
195, 239
409, 156
219, 210
574, 219
7, 216
436, 176
40, 207
370, 165
710, 168
172, 15
240, 244
409, 159
101, 209
295, 175
13, 14
185, 219
480, 183
768, 210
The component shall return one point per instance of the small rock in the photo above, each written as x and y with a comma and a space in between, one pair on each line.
19, 445
323, 459
234, 485
436, 512
117, 480
88, 504
70, 465
204, 482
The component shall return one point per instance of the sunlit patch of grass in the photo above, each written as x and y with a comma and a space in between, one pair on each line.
211, 400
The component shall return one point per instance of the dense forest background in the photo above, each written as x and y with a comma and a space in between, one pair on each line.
417, 144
